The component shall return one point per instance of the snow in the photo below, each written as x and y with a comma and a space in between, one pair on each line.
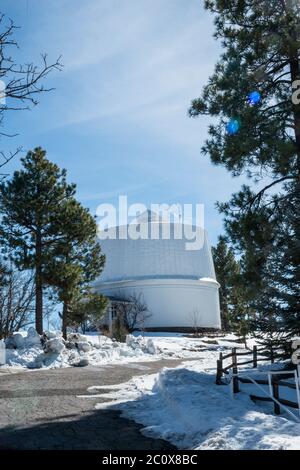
182, 405
185, 407
54, 346
25, 349
30, 350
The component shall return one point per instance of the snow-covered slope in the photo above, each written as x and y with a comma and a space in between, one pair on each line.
185, 407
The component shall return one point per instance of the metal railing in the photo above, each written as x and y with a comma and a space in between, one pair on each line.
273, 388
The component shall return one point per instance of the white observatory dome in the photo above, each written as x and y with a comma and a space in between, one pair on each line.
178, 284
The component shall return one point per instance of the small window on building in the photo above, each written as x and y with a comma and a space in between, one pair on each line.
114, 310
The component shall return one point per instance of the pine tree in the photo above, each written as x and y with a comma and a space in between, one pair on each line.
87, 310
75, 262
281, 274
35, 217
227, 269
257, 132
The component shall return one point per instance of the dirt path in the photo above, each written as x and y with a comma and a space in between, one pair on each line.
40, 410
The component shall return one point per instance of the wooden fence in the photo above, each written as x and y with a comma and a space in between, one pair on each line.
256, 356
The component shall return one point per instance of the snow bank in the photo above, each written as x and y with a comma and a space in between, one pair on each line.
29, 350
185, 407
145, 344
51, 351
53, 346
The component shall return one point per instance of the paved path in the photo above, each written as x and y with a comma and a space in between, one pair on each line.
40, 410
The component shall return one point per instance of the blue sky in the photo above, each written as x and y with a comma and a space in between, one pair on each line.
117, 120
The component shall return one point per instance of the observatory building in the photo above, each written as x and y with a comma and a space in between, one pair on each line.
178, 285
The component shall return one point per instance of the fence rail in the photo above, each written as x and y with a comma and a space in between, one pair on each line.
258, 355
274, 383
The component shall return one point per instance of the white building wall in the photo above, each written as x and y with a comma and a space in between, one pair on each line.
173, 303
177, 284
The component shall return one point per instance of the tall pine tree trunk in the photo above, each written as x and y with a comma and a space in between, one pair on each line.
38, 284
224, 308
64, 320
225, 319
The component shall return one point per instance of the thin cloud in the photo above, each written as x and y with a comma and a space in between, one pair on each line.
130, 63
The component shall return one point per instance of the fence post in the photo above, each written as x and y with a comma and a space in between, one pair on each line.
275, 388
235, 370
254, 357
219, 369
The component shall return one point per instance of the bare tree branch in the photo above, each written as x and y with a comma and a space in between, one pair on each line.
23, 82
16, 300
134, 312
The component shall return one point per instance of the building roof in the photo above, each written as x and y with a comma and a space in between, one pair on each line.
148, 258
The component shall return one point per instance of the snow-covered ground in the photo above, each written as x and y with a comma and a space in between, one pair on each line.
182, 405
24, 349
185, 407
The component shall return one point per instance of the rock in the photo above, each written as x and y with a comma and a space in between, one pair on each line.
82, 362
54, 345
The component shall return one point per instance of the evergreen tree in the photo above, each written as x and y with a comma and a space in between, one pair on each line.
76, 261
257, 133
278, 305
227, 269
87, 311
241, 312
3, 274
38, 218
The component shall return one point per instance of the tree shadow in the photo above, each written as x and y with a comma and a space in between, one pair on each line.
96, 430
